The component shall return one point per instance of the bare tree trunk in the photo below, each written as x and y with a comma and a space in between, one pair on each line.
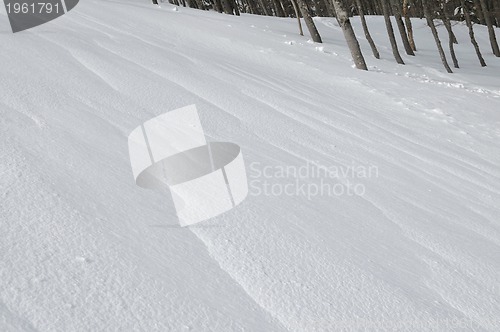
491, 29
497, 12
350, 36
451, 43
471, 34
252, 6
264, 7
286, 5
199, 4
430, 23
365, 29
226, 6
304, 9
278, 10
479, 12
321, 8
390, 32
218, 5
396, 9
298, 16
235, 5
451, 36
409, 26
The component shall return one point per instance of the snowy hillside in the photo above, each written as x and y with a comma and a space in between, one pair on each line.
416, 248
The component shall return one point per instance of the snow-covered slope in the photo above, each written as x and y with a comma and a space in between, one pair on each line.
84, 249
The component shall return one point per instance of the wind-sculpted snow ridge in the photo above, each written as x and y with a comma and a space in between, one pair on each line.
401, 234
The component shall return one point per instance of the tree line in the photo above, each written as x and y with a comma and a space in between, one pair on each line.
485, 12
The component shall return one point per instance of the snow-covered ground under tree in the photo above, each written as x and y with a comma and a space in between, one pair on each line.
84, 249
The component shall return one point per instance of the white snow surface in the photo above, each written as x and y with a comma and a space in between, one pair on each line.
84, 249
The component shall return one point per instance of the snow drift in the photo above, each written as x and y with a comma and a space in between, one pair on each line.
83, 248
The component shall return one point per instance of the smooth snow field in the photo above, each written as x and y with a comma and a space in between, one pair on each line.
416, 247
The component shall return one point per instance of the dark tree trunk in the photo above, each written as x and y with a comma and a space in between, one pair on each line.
430, 22
401, 26
491, 29
479, 12
218, 5
296, 9
287, 7
409, 26
321, 8
471, 34
226, 6
304, 9
350, 36
365, 29
252, 7
236, 7
497, 12
451, 36
199, 4
264, 8
390, 32
277, 8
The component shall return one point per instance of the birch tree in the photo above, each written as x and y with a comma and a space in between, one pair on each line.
430, 22
349, 35
390, 32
